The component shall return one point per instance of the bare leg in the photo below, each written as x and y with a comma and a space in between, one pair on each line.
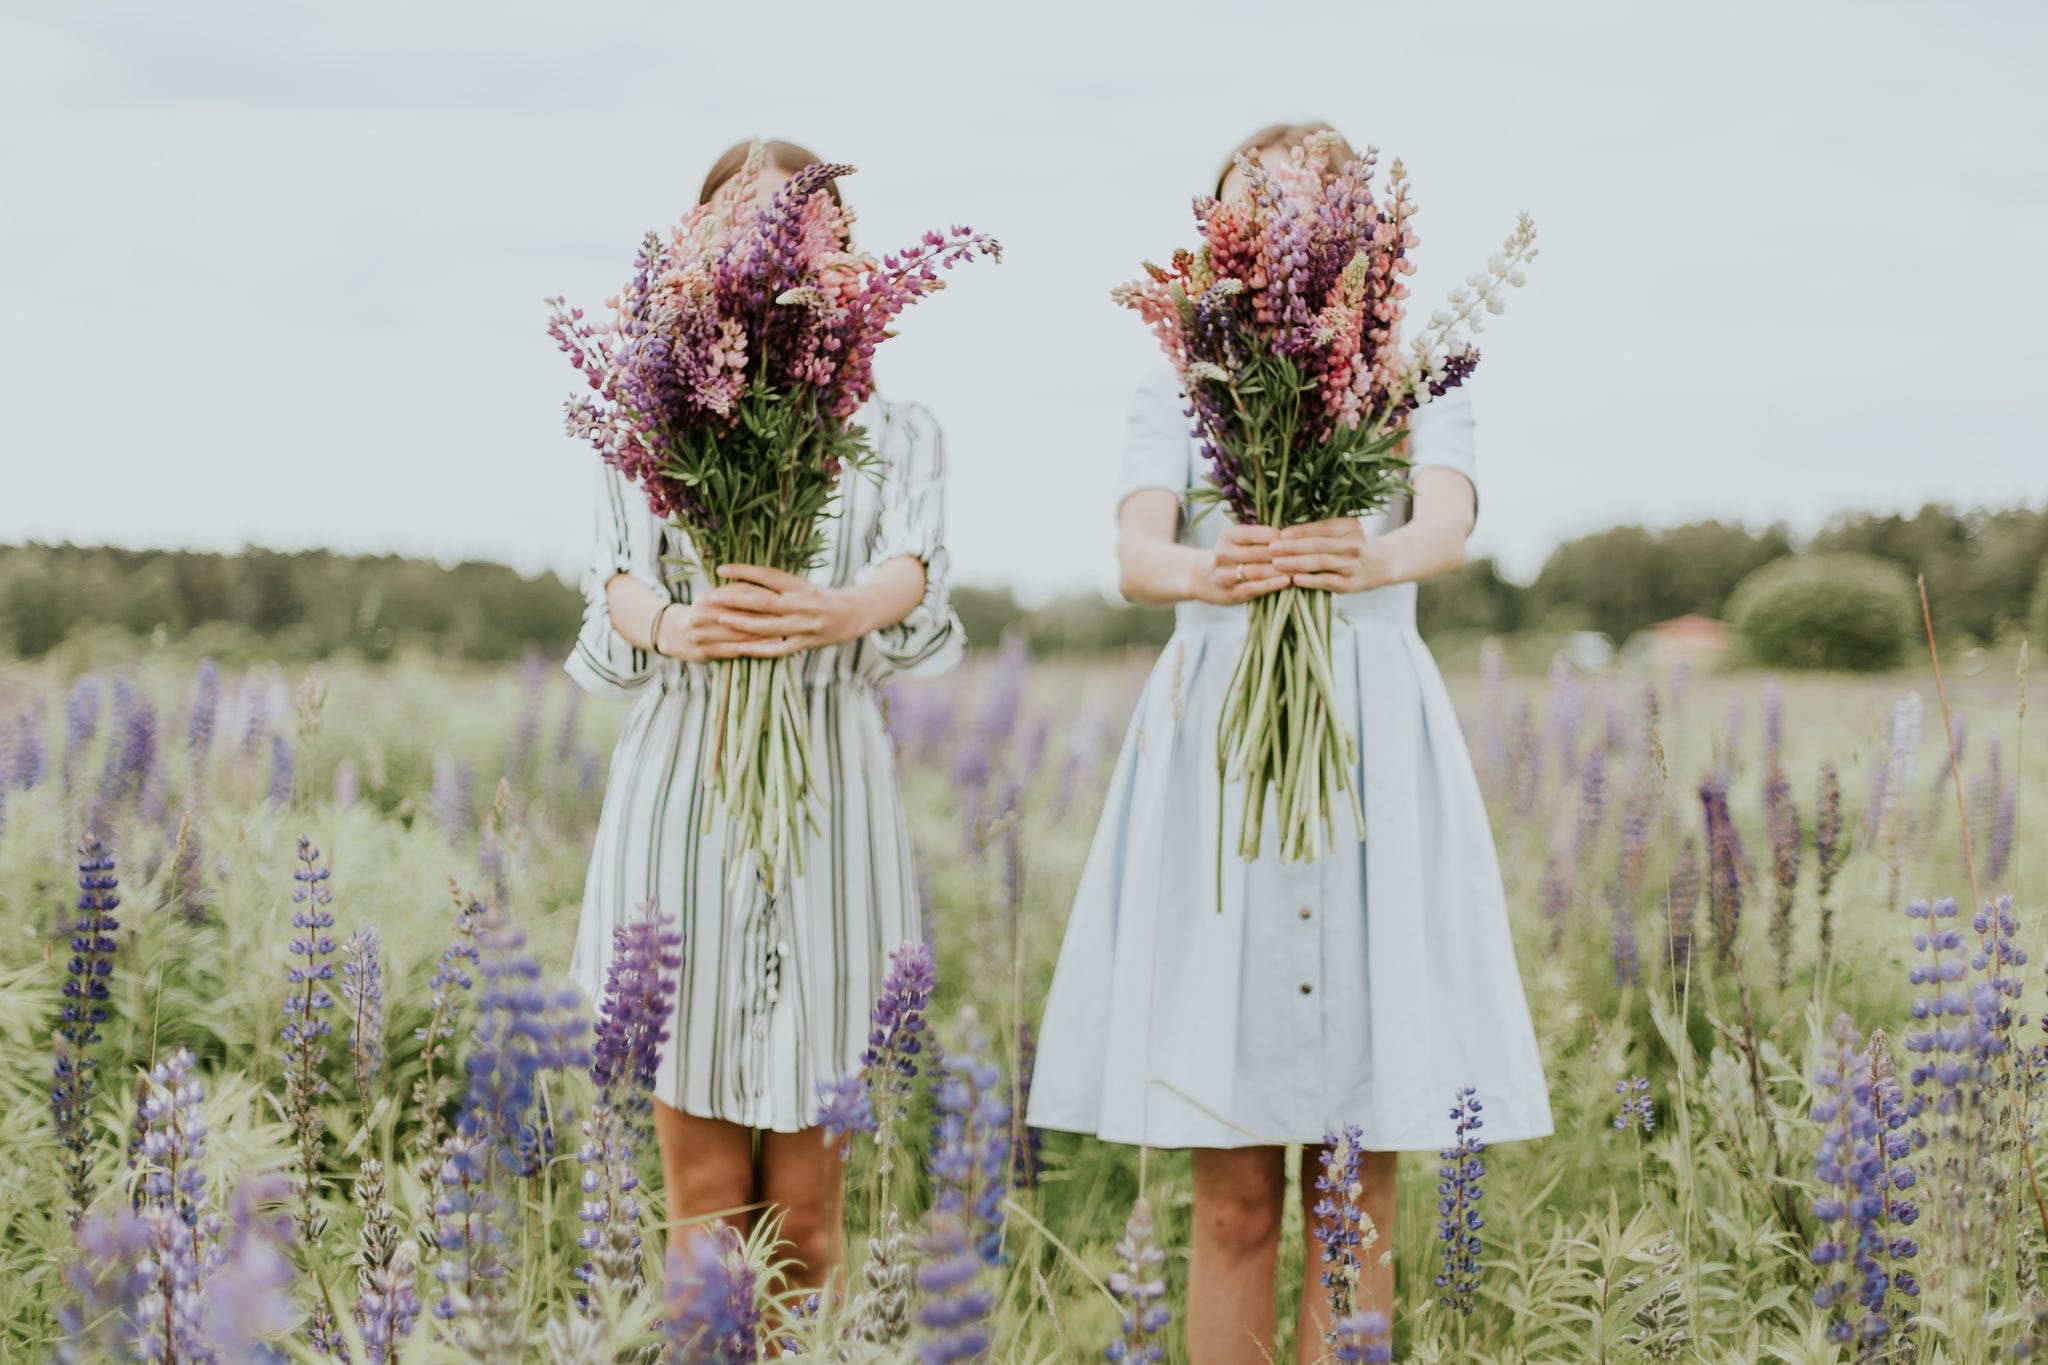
803, 1181
1376, 1271
707, 1169
1239, 1198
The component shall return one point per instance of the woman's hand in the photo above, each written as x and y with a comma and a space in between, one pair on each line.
762, 613
1240, 568
1336, 556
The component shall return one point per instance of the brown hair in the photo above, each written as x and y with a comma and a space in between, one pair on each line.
1282, 135
787, 157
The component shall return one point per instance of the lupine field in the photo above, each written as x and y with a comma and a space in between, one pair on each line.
291, 1071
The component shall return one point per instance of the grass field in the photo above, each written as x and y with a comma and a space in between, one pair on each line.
1695, 1240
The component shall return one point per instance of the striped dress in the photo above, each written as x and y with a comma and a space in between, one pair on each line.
776, 990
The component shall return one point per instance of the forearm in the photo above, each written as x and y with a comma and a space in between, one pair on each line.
633, 605
887, 596
1157, 572
1423, 549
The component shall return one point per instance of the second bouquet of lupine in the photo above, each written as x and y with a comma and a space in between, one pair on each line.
1285, 327
725, 385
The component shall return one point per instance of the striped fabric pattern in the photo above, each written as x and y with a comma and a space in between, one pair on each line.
776, 991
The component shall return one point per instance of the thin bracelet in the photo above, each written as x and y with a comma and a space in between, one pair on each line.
654, 630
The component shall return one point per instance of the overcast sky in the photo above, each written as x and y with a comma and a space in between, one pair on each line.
273, 273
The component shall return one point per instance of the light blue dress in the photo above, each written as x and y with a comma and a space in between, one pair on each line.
1367, 987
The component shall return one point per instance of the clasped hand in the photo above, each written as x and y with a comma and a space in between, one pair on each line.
1249, 561
759, 613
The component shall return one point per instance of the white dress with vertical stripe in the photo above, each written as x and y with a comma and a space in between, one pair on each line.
776, 990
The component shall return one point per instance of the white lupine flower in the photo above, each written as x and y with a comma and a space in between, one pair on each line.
1497, 263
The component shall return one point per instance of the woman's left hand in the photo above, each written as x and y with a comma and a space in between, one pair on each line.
785, 613
1337, 556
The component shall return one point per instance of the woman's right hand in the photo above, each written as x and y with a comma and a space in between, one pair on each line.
1239, 569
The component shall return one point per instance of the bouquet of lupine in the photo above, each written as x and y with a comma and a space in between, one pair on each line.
725, 387
1285, 327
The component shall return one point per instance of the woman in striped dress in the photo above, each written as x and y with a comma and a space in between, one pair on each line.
776, 988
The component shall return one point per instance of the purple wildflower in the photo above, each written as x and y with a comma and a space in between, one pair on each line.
1830, 850
632, 1028
205, 713
306, 1030
81, 722
1724, 875
1998, 839
1637, 1112
523, 1032
526, 734
1787, 840
1339, 1221
1944, 1012
896, 1039
248, 1289
280, 771
1774, 720
956, 1303
710, 1315
1139, 1284
451, 981
29, 754
362, 986
108, 1282
1682, 897
183, 1229
844, 1109
85, 995
970, 1156
1860, 1164
1363, 1337
1460, 1186
475, 1307
1592, 802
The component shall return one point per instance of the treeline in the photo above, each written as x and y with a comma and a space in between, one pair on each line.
1984, 574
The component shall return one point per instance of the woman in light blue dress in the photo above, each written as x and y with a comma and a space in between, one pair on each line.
1365, 988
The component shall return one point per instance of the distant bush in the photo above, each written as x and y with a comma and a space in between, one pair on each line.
1846, 611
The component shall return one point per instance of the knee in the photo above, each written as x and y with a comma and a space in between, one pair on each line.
1242, 1220
809, 1231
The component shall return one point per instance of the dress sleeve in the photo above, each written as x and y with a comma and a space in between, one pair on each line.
628, 541
1443, 431
1155, 439
912, 522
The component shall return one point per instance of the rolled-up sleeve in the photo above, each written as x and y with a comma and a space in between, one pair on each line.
912, 522
628, 541
1444, 433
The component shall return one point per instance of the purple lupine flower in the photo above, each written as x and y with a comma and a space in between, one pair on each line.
1526, 760
81, 722
1027, 1144
109, 1280
306, 1030
523, 1032
1682, 896
844, 1109
1622, 952
1637, 1112
131, 747
526, 733
1567, 712
280, 772
896, 1039
956, 1303
1363, 1337
1724, 871
1946, 1037
1339, 1220
451, 981
1774, 720
247, 1298
1958, 733
449, 803
710, 1312
1592, 801
475, 1309
362, 986
388, 1307
970, 1156
347, 784
1032, 757
1829, 848
205, 713
85, 995
1859, 1163
1556, 893
1994, 998
1139, 1284
29, 752
1787, 841
1460, 1186
183, 1229
1998, 840
632, 1028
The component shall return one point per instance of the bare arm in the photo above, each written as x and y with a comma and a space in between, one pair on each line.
763, 613
1154, 569
1339, 556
